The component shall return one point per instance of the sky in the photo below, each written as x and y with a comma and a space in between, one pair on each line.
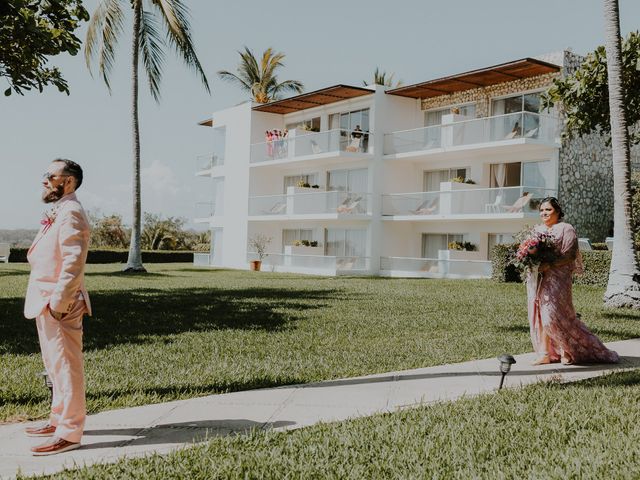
325, 43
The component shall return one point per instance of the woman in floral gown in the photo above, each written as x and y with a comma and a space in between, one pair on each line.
556, 331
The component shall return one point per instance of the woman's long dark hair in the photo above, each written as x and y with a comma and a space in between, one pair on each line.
553, 201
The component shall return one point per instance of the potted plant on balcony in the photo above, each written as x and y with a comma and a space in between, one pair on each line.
259, 242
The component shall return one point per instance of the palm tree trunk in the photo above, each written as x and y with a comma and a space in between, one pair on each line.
134, 262
623, 289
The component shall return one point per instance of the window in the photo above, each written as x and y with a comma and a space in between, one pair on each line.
293, 180
434, 117
347, 122
539, 174
433, 178
311, 125
433, 242
289, 236
345, 242
506, 174
348, 180
528, 102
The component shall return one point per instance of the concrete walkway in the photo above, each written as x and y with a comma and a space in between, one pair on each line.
160, 428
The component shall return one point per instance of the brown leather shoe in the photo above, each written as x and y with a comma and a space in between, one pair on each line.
53, 446
46, 430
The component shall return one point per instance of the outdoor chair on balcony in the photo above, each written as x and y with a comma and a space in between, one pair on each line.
346, 263
315, 148
355, 144
495, 206
349, 204
533, 133
278, 209
426, 208
519, 204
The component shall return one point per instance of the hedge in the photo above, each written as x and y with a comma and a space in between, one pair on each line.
596, 266
19, 255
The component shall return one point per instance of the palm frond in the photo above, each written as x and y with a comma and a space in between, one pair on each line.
176, 18
104, 29
233, 78
287, 86
152, 51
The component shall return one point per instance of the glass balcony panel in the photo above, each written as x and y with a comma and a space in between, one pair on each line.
506, 200
436, 268
471, 132
268, 205
331, 141
418, 139
312, 263
201, 259
316, 203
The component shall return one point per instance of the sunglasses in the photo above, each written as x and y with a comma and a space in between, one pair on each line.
50, 176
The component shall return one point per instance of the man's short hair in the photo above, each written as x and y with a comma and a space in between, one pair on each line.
71, 168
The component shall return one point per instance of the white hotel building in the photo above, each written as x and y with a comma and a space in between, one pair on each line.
385, 200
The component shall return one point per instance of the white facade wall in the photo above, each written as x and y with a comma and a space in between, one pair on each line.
387, 174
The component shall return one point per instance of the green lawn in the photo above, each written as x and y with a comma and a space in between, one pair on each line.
180, 332
586, 430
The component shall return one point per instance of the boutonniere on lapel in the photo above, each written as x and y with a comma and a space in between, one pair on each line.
48, 218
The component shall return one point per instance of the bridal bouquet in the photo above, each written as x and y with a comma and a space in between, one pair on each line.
535, 248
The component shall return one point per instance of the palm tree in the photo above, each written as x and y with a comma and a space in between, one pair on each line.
623, 289
380, 78
261, 81
151, 19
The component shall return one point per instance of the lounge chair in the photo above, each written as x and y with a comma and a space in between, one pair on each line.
349, 204
315, 148
495, 206
345, 263
354, 146
519, 204
426, 208
277, 209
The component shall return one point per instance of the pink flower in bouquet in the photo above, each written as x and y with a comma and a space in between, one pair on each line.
535, 248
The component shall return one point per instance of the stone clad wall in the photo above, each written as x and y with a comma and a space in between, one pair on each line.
585, 178
482, 96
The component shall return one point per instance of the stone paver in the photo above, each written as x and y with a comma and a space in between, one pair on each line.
160, 428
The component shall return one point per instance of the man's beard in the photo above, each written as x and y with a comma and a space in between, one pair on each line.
53, 195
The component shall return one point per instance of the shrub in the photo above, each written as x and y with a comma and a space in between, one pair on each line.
467, 246
599, 246
596, 266
502, 270
19, 255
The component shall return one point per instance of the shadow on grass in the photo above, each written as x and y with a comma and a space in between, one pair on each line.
182, 432
619, 333
126, 317
13, 273
119, 273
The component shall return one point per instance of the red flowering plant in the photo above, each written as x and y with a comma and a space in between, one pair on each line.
535, 247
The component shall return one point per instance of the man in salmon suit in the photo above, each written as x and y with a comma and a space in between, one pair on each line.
57, 299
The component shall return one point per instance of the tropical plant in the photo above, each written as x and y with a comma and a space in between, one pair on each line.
30, 32
623, 287
259, 242
260, 80
382, 78
108, 231
151, 19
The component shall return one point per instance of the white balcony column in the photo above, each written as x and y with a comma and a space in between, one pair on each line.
449, 131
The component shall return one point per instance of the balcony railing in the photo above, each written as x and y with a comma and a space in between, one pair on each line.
529, 125
315, 203
433, 267
201, 259
506, 200
208, 161
330, 141
206, 210
312, 263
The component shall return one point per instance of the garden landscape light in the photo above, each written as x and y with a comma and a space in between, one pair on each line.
506, 361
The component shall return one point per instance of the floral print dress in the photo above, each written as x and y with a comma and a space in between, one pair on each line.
550, 306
